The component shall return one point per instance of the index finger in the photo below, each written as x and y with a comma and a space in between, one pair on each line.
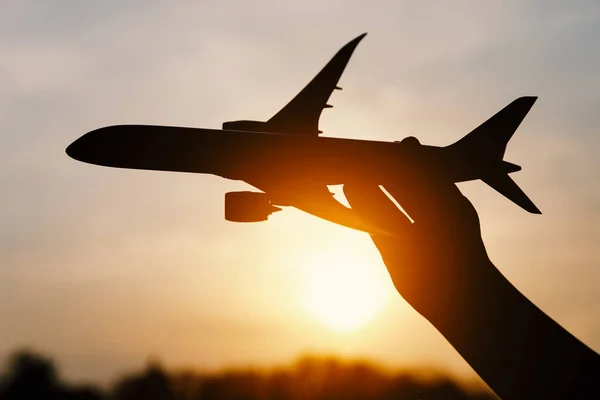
376, 208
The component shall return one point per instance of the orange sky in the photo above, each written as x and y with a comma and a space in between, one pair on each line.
102, 268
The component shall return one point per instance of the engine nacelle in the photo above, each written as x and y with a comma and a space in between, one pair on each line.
248, 207
248, 126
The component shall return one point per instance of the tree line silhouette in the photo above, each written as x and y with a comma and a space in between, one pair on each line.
31, 376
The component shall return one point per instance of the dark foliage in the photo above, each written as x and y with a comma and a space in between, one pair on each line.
31, 376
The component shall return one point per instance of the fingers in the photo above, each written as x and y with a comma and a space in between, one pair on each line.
431, 199
427, 193
375, 208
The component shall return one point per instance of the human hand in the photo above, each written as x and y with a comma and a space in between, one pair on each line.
436, 258
440, 266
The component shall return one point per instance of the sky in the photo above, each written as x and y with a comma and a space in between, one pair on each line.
103, 268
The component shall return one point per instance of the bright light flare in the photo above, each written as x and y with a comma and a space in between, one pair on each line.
346, 291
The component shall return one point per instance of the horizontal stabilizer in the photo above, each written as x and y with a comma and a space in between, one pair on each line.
506, 186
510, 167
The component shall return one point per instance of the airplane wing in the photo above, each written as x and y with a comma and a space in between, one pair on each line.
319, 201
301, 115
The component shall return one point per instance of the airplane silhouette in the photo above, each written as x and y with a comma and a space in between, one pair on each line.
292, 165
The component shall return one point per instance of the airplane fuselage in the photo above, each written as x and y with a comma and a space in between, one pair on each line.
286, 167
263, 157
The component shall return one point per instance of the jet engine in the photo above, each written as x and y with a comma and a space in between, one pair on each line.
248, 207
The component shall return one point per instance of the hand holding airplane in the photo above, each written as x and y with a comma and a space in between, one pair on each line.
440, 266
291, 165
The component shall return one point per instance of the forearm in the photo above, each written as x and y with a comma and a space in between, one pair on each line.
517, 349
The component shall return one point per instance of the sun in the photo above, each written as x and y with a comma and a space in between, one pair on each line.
345, 291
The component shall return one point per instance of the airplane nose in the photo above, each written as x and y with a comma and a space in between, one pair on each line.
85, 148
107, 146
75, 150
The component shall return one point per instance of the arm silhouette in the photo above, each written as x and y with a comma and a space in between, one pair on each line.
440, 266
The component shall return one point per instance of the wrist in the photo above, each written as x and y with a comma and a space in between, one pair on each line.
458, 296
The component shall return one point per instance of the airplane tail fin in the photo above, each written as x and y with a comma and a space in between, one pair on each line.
491, 137
486, 144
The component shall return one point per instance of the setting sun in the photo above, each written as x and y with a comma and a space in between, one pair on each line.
345, 291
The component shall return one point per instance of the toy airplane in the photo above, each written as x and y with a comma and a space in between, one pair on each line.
287, 160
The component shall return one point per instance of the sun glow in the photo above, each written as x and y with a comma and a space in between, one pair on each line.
345, 291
